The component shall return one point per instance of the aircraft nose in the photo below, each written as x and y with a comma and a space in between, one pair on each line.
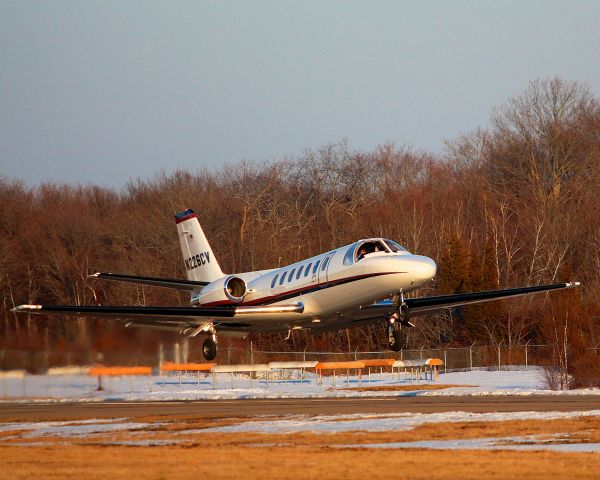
423, 269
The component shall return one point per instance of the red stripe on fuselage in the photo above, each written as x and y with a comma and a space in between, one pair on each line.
298, 291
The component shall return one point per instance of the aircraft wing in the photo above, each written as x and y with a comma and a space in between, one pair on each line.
238, 318
273, 318
426, 305
154, 281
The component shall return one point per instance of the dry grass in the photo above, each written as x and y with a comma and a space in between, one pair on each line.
434, 431
206, 460
302, 455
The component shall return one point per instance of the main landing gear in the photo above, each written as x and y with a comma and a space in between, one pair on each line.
209, 348
398, 324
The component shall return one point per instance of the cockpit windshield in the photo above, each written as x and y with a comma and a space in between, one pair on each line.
357, 251
395, 247
370, 246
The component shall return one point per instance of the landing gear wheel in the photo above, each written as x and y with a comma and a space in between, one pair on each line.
209, 349
397, 341
396, 337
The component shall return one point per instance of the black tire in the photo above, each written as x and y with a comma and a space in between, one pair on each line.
398, 341
209, 349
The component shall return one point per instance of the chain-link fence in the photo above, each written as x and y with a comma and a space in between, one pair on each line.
464, 358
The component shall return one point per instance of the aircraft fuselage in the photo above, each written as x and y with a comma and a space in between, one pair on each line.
333, 282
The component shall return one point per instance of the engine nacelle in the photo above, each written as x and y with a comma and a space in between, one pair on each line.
224, 291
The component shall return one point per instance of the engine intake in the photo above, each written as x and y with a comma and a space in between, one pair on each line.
235, 289
224, 291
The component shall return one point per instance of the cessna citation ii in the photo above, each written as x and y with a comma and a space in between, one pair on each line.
353, 285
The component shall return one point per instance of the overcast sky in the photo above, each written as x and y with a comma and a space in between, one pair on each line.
106, 91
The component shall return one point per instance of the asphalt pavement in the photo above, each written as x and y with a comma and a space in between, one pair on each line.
38, 411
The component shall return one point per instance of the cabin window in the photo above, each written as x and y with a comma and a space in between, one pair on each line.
349, 257
282, 278
316, 267
307, 271
274, 281
299, 272
325, 263
291, 275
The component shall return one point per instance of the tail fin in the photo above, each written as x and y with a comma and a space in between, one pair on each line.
200, 262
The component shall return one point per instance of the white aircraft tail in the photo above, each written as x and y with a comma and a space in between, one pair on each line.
200, 262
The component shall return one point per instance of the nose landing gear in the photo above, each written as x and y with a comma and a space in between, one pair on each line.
397, 338
209, 347
396, 335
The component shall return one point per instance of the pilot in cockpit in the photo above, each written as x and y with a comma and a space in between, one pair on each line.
367, 248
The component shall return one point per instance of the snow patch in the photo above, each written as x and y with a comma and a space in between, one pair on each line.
523, 443
383, 422
81, 388
79, 428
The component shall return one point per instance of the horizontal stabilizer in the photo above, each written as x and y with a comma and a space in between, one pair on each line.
154, 281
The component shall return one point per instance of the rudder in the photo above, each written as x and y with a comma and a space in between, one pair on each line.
198, 258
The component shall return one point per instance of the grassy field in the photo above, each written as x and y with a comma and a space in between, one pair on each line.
286, 462
207, 461
293, 456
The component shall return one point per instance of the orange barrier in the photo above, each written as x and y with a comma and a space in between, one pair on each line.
434, 362
188, 367
379, 362
338, 365
115, 371
358, 365
97, 371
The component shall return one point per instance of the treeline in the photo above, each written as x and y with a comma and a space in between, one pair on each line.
515, 204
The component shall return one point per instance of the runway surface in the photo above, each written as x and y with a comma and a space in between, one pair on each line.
317, 406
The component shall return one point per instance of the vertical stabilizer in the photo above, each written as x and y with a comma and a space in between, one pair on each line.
198, 258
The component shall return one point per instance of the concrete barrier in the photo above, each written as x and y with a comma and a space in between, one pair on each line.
233, 369
419, 367
12, 374
410, 363
259, 367
285, 365
284, 371
72, 370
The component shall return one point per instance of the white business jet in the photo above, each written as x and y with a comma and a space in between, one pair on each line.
353, 285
